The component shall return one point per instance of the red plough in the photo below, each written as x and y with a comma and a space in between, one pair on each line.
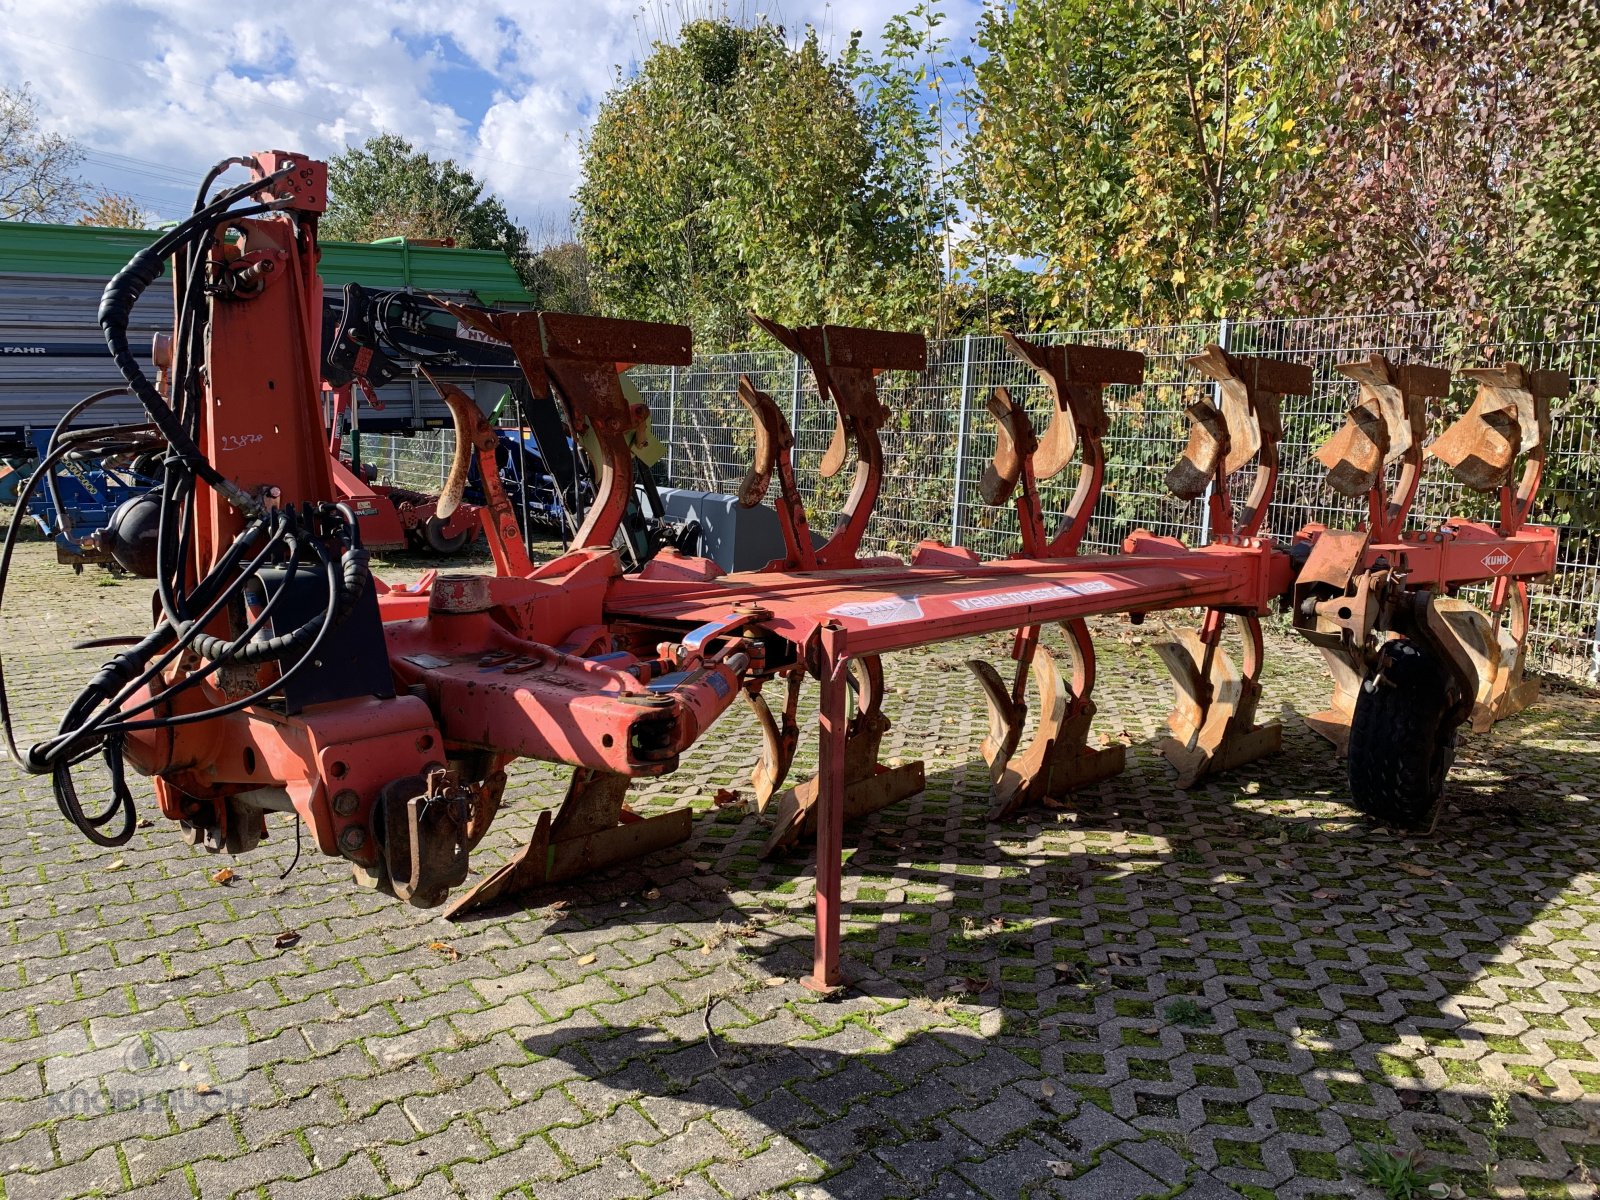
282, 676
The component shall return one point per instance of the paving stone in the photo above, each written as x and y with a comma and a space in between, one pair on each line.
1160, 1160
595, 1139
698, 1144
1207, 1188
780, 1163
1115, 1178
98, 1172
532, 1160
922, 1157
332, 1144
1000, 1118
408, 1162
268, 1164
357, 1179
613, 1179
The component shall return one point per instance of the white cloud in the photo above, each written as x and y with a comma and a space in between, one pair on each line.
507, 86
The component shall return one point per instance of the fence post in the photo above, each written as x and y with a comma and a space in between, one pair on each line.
672, 419
794, 399
1216, 402
961, 440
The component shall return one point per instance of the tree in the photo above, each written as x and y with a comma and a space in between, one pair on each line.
735, 172
113, 210
1130, 148
36, 167
388, 189
1463, 165
557, 277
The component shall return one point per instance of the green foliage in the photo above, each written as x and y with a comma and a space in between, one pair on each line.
1397, 1176
1131, 148
735, 172
558, 278
1184, 1011
388, 189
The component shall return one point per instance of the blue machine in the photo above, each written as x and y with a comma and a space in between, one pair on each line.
90, 490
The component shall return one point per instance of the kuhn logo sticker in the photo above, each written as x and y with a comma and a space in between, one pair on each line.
1053, 591
1497, 560
881, 612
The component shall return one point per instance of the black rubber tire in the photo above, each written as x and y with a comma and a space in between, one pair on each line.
441, 543
1402, 737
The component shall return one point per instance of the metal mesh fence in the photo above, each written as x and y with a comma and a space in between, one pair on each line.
940, 437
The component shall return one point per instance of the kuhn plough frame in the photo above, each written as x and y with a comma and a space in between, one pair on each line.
281, 675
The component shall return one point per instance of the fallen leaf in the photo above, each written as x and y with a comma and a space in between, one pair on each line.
587, 959
776, 981
446, 949
1047, 1089
653, 894
223, 876
706, 948
677, 943
1061, 1169
285, 939
724, 797
205, 1089
183, 1066
973, 985
1418, 871
117, 865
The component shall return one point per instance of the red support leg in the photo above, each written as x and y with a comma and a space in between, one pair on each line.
830, 824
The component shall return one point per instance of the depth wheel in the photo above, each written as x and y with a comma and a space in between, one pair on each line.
1402, 737
443, 543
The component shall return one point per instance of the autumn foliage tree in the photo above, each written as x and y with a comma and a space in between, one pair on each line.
113, 210
1462, 167
37, 180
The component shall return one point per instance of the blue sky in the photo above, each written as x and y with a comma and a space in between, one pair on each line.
157, 91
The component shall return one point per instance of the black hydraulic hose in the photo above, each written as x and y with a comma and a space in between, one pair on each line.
29, 487
340, 599
329, 620
117, 302
116, 672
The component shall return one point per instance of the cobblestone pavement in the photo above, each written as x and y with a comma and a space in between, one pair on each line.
1238, 990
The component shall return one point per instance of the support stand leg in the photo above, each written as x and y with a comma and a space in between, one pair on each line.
825, 973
